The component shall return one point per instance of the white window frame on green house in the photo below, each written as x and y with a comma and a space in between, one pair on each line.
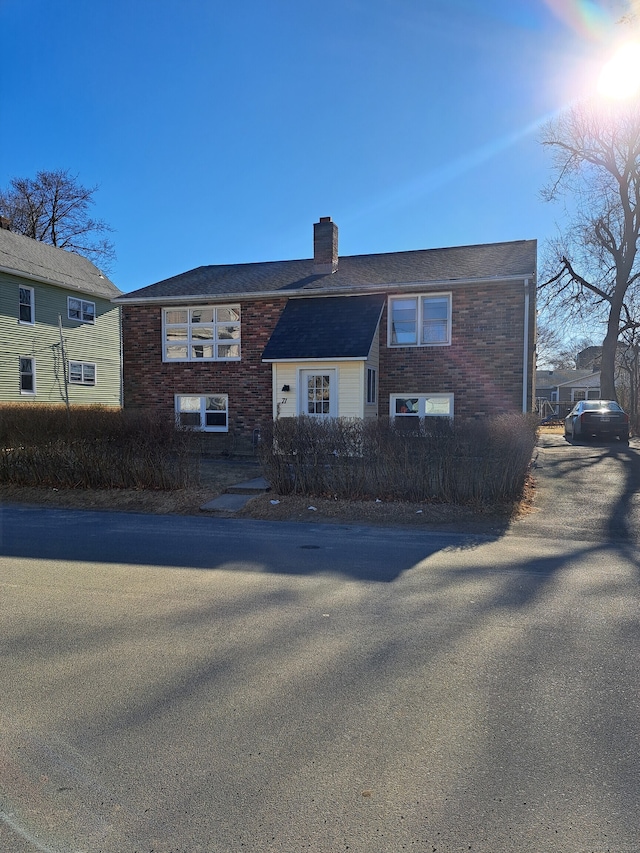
203, 412
372, 386
201, 333
82, 373
26, 305
81, 310
23, 359
421, 406
421, 320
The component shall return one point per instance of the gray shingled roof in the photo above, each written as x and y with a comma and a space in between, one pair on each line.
341, 327
38, 261
564, 376
355, 273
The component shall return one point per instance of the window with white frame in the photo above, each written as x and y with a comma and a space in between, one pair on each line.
206, 333
81, 310
82, 373
420, 321
26, 307
27, 375
414, 406
372, 385
208, 412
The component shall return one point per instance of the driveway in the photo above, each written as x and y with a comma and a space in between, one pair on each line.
588, 491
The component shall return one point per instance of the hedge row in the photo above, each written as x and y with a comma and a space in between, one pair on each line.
484, 461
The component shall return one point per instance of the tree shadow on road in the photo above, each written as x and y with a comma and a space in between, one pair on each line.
620, 520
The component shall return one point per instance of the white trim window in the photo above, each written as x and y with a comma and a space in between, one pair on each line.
27, 370
416, 406
27, 305
372, 386
419, 321
80, 310
208, 412
82, 373
204, 333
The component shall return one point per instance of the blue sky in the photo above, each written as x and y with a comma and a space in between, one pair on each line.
219, 132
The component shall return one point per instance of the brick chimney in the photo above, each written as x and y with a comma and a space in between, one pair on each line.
325, 246
5, 224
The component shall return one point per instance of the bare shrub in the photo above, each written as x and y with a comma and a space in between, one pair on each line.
433, 459
93, 447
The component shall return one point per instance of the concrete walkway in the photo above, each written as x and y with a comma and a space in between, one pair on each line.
237, 496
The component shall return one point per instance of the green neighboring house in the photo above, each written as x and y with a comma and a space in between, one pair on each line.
59, 331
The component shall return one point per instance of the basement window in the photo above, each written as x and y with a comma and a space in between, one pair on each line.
207, 413
407, 408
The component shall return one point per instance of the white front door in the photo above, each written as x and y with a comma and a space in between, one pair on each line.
318, 393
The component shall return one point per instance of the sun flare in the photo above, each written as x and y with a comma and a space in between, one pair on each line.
620, 76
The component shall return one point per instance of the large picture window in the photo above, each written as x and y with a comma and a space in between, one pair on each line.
209, 333
26, 307
209, 412
423, 320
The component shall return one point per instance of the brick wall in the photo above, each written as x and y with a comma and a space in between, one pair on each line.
482, 367
150, 383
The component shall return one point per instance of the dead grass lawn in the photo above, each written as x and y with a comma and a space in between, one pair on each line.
218, 474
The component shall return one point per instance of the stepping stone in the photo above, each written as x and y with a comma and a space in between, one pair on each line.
227, 503
237, 496
257, 486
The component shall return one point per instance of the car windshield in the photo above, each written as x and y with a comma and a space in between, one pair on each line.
595, 405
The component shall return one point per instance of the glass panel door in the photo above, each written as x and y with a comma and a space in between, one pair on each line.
317, 393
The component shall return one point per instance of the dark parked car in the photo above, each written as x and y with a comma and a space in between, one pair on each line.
596, 419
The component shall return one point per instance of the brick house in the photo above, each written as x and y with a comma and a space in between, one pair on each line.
428, 333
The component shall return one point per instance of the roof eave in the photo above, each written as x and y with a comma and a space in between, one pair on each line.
41, 279
578, 379
346, 290
314, 359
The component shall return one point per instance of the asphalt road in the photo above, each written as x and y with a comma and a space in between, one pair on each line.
181, 685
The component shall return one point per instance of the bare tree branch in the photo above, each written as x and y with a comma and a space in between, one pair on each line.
54, 208
595, 149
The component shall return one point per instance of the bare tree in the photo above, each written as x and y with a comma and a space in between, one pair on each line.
54, 208
596, 168
555, 350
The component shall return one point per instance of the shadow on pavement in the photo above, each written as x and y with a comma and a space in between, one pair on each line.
360, 553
